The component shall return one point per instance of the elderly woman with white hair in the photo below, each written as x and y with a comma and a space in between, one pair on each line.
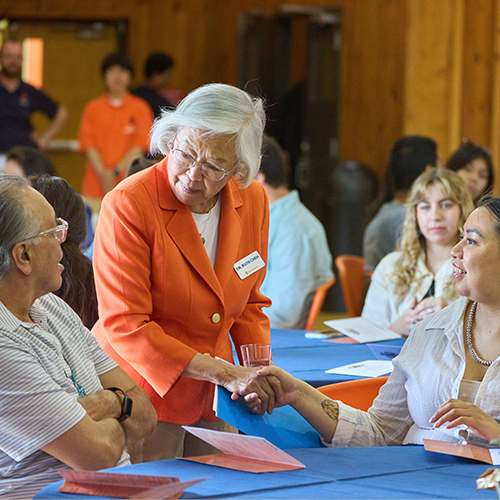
168, 251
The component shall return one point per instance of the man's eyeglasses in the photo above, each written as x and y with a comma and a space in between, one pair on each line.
60, 231
185, 161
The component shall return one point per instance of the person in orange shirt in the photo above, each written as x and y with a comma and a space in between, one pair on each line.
114, 129
180, 254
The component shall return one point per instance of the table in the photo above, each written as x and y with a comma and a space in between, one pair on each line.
383, 472
308, 359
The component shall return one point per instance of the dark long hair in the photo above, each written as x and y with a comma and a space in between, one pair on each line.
492, 204
78, 287
467, 153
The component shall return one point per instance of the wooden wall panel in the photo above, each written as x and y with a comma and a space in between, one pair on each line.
478, 70
433, 97
202, 35
495, 98
408, 66
373, 49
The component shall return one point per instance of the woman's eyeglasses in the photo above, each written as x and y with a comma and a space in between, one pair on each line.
185, 161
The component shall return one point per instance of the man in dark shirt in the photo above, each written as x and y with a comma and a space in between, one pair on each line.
19, 100
157, 71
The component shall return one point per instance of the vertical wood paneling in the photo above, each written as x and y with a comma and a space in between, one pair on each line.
478, 70
495, 100
408, 66
433, 71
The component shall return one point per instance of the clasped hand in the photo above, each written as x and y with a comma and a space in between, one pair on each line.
260, 392
416, 312
285, 387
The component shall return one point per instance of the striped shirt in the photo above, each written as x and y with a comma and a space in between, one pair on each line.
38, 397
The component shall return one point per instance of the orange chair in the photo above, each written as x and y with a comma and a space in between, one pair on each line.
317, 303
356, 393
352, 276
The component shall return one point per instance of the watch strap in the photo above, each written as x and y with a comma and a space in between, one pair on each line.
126, 403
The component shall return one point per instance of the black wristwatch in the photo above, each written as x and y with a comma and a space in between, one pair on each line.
126, 404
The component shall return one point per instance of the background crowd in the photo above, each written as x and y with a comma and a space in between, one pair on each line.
170, 295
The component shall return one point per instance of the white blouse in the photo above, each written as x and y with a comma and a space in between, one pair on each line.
208, 227
383, 306
428, 371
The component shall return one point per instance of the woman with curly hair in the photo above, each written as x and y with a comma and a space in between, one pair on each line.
416, 279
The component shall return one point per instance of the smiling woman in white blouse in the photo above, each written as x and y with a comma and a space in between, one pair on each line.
446, 382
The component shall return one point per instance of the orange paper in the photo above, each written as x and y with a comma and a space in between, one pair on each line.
487, 455
245, 453
343, 340
123, 485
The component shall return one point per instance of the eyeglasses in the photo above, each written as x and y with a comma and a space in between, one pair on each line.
185, 161
60, 231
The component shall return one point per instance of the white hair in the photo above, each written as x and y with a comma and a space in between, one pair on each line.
218, 109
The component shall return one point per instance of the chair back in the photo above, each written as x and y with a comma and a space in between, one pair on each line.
352, 281
317, 303
356, 393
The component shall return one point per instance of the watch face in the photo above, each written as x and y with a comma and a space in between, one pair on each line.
126, 408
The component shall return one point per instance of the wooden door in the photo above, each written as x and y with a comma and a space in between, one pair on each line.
73, 52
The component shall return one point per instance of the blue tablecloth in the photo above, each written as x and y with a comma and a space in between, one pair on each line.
308, 359
385, 472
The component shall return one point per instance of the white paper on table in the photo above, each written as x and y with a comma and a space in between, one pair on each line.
362, 330
368, 368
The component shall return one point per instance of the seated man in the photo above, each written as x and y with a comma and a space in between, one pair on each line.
299, 259
64, 402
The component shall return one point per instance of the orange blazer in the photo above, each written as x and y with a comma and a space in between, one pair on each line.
159, 296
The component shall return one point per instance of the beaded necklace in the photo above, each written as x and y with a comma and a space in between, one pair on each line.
470, 322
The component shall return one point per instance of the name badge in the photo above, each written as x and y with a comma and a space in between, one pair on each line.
249, 265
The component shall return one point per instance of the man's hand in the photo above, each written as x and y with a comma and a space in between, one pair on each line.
100, 405
53, 128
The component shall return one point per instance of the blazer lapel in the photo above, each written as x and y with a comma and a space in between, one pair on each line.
230, 231
182, 229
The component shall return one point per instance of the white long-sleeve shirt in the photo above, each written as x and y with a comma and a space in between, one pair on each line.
427, 372
383, 306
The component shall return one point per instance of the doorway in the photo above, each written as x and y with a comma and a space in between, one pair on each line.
292, 59
72, 55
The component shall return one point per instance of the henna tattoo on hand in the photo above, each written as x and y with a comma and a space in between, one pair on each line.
331, 408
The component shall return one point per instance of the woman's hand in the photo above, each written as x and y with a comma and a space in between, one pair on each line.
321, 412
289, 388
454, 412
406, 321
261, 392
428, 306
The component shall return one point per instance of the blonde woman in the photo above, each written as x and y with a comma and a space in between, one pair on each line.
416, 279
